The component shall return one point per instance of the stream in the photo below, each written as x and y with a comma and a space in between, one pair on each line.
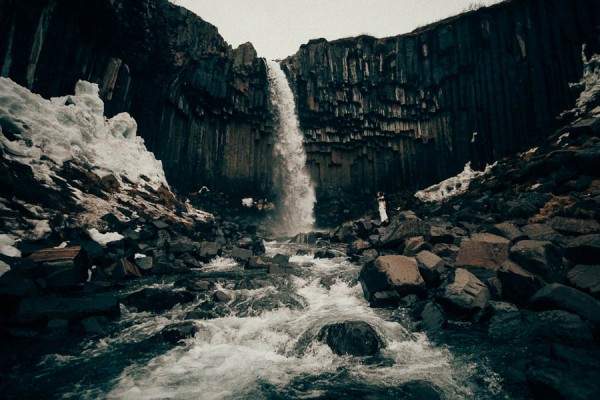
265, 348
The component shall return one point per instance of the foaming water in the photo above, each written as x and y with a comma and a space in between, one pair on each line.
274, 354
297, 190
265, 348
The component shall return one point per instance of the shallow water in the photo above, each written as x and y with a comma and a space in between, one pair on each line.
266, 348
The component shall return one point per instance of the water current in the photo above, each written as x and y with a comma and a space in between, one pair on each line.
264, 348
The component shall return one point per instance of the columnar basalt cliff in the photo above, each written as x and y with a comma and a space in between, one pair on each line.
201, 106
402, 112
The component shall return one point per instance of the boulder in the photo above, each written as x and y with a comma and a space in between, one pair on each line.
175, 333
394, 235
208, 250
355, 338
259, 262
561, 297
221, 297
183, 245
588, 160
518, 284
413, 245
574, 226
325, 253
358, 246
509, 231
431, 266
209, 310
15, 285
63, 267
462, 292
144, 263
241, 255
432, 317
441, 235
540, 232
586, 278
156, 299
122, 269
483, 250
540, 257
398, 273
584, 249
36, 309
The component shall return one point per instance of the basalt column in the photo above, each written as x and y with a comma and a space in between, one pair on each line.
407, 111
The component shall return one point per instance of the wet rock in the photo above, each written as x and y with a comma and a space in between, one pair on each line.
15, 285
144, 263
156, 299
483, 250
183, 245
462, 292
259, 262
209, 310
584, 249
194, 285
221, 297
586, 278
355, 338
175, 333
241, 255
37, 309
346, 233
358, 246
561, 297
432, 317
397, 273
208, 251
325, 253
95, 324
540, 257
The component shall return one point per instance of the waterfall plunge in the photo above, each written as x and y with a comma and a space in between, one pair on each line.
297, 192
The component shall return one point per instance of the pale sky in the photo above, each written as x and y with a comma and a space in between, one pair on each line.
277, 28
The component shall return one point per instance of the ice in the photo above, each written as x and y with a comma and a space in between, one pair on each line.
452, 186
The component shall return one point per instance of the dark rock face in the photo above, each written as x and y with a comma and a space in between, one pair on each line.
401, 112
201, 106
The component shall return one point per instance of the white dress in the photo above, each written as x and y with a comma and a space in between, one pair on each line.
382, 212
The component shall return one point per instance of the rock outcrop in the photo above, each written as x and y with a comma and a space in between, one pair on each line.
406, 111
201, 106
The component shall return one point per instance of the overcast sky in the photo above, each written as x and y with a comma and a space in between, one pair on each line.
277, 28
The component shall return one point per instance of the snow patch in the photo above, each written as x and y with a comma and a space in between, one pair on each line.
248, 202
590, 85
104, 238
4, 268
452, 186
46, 133
7, 243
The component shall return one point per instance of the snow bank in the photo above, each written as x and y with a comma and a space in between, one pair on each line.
7, 243
452, 186
46, 133
104, 238
590, 85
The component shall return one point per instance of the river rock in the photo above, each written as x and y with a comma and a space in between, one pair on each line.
183, 245
483, 250
584, 249
463, 292
175, 333
156, 299
395, 234
432, 317
37, 309
518, 284
398, 273
61, 267
586, 278
355, 338
241, 255
540, 257
208, 250
561, 297
431, 266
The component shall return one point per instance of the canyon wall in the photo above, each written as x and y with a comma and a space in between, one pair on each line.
402, 112
378, 114
201, 106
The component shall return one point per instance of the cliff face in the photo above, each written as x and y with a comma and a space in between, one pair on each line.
201, 106
401, 112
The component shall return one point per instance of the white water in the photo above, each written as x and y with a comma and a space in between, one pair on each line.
298, 192
273, 354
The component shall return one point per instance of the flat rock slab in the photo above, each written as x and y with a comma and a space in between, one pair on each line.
483, 250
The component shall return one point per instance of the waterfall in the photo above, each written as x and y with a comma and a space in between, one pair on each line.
297, 191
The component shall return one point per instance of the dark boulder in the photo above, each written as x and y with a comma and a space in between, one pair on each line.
586, 278
483, 250
157, 300
584, 249
68, 308
561, 297
175, 333
394, 235
540, 257
356, 338
463, 293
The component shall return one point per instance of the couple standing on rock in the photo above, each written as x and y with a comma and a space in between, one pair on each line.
382, 207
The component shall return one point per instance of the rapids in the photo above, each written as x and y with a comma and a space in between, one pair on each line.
264, 349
